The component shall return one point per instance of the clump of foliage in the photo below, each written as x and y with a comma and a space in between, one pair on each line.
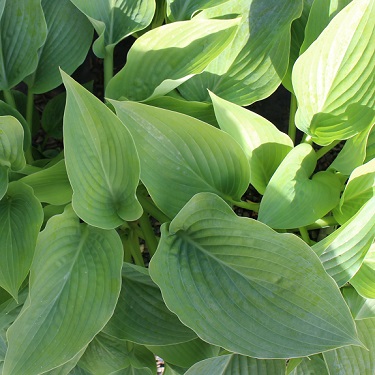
291, 289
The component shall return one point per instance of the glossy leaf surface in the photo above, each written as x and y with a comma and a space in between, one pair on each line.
75, 281
191, 155
21, 218
105, 173
242, 286
157, 62
292, 199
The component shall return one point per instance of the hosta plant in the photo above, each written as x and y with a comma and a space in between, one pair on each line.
168, 218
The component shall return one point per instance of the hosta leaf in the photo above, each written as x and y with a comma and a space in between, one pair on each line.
10, 309
163, 58
141, 315
66, 368
235, 364
180, 10
186, 353
354, 360
359, 189
115, 19
291, 198
173, 370
108, 355
264, 145
314, 365
333, 78
255, 63
105, 172
343, 251
75, 281
370, 149
22, 32
361, 308
68, 40
364, 280
240, 285
191, 155
53, 114
51, 185
21, 217
11, 149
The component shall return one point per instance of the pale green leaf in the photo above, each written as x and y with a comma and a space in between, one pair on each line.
185, 354
343, 251
51, 185
104, 174
264, 145
141, 315
240, 285
180, 10
21, 217
364, 280
292, 199
359, 189
108, 355
163, 58
333, 79
22, 32
313, 365
361, 307
75, 281
235, 364
114, 20
252, 67
355, 360
181, 156
11, 149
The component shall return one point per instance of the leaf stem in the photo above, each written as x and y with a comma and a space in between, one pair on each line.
292, 115
321, 152
150, 208
9, 98
305, 235
247, 205
148, 233
134, 246
327, 221
108, 65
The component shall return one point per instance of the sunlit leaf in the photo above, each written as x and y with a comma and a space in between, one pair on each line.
75, 281
181, 156
292, 199
332, 78
22, 32
264, 145
104, 174
163, 58
240, 285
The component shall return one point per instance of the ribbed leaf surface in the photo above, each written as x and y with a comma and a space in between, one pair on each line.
361, 307
314, 365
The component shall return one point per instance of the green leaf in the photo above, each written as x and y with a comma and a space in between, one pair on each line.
21, 217
66, 368
22, 32
163, 58
191, 155
51, 185
173, 370
11, 149
186, 353
370, 149
292, 199
331, 79
52, 117
364, 280
115, 20
141, 315
104, 174
180, 10
108, 355
10, 309
75, 281
354, 360
359, 189
264, 145
343, 251
240, 285
235, 364
314, 365
252, 67
361, 308
68, 41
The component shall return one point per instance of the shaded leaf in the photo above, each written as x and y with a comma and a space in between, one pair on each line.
163, 58
75, 281
361, 308
191, 155
370, 149
141, 315
105, 173
66, 368
314, 365
240, 285
292, 199
10, 309
21, 216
